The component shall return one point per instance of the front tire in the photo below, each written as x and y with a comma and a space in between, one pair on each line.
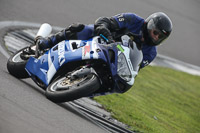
64, 89
16, 65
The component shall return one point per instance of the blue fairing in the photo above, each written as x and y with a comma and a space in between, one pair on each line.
48, 64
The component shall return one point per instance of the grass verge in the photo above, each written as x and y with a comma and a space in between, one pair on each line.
161, 100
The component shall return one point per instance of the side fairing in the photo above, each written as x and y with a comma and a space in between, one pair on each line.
48, 64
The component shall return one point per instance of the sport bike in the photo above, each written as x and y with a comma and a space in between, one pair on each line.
78, 68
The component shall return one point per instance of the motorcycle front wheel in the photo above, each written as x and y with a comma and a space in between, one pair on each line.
66, 89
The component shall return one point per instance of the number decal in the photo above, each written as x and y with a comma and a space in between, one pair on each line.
145, 62
120, 17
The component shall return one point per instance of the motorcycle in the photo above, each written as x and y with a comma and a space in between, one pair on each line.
78, 68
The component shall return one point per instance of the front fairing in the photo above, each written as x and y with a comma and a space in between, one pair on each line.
128, 66
120, 85
108, 51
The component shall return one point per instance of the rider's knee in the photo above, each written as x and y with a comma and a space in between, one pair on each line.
72, 30
76, 27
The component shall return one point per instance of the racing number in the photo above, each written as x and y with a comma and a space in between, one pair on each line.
120, 17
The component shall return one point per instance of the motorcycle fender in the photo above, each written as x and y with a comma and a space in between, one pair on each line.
82, 72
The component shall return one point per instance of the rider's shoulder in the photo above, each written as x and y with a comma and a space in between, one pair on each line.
128, 14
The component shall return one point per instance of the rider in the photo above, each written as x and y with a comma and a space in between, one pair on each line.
148, 33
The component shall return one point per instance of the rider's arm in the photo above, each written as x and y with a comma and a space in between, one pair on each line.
149, 55
104, 26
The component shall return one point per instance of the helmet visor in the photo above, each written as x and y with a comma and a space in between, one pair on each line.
156, 35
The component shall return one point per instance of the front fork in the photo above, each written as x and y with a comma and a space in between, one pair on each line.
84, 71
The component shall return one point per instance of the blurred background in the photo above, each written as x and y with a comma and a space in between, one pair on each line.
183, 44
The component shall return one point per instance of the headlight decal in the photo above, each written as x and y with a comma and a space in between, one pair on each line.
120, 48
123, 68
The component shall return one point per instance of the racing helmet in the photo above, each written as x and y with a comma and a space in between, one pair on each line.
157, 28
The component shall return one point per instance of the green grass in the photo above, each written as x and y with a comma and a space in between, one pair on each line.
162, 100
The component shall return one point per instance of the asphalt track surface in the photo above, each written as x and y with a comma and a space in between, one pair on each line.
23, 107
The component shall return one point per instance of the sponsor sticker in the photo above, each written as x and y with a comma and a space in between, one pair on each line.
61, 53
86, 52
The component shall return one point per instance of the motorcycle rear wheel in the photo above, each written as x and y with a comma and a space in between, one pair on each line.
64, 89
16, 65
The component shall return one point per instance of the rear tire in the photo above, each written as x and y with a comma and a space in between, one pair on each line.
64, 90
16, 65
